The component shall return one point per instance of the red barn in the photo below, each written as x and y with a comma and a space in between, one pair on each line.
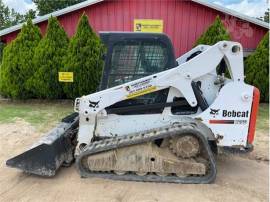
183, 20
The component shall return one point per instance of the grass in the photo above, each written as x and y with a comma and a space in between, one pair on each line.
43, 115
262, 123
40, 115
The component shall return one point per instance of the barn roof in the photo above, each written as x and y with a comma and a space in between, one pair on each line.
233, 13
91, 2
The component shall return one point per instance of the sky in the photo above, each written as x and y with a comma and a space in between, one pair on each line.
21, 6
253, 8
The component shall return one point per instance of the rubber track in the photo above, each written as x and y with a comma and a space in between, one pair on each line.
147, 136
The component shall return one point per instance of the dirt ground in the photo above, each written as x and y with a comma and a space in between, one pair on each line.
240, 178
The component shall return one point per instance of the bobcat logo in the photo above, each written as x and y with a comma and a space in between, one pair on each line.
127, 88
214, 111
93, 104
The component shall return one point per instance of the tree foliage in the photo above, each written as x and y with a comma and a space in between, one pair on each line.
48, 59
84, 59
257, 68
9, 17
215, 33
17, 65
30, 14
265, 18
2, 45
44, 6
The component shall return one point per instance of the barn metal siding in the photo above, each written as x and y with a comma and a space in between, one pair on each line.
184, 21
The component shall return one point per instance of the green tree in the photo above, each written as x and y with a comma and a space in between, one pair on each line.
17, 64
2, 45
44, 6
30, 14
215, 33
257, 68
84, 58
8, 17
3, 13
265, 18
48, 59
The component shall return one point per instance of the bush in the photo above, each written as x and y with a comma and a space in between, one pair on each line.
215, 33
84, 60
257, 68
1, 54
2, 45
17, 65
48, 59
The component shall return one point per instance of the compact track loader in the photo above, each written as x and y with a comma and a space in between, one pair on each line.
155, 117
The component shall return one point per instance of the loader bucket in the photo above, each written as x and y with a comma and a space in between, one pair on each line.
53, 150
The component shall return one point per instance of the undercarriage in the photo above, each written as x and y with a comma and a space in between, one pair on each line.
177, 153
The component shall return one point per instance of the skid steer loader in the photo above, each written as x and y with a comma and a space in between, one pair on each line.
155, 117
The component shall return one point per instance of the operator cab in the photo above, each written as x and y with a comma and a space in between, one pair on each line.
132, 55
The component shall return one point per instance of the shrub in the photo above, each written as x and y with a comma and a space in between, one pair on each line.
48, 59
84, 60
257, 68
17, 64
215, 33
2, 45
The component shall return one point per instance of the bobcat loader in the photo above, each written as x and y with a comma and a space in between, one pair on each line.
155, 118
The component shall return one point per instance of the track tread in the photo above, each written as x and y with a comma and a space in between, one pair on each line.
142, 137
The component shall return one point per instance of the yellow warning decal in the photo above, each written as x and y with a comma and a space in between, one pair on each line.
148, 25
65, 76
142, 92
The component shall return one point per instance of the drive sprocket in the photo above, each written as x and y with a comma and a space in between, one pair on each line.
186, 146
